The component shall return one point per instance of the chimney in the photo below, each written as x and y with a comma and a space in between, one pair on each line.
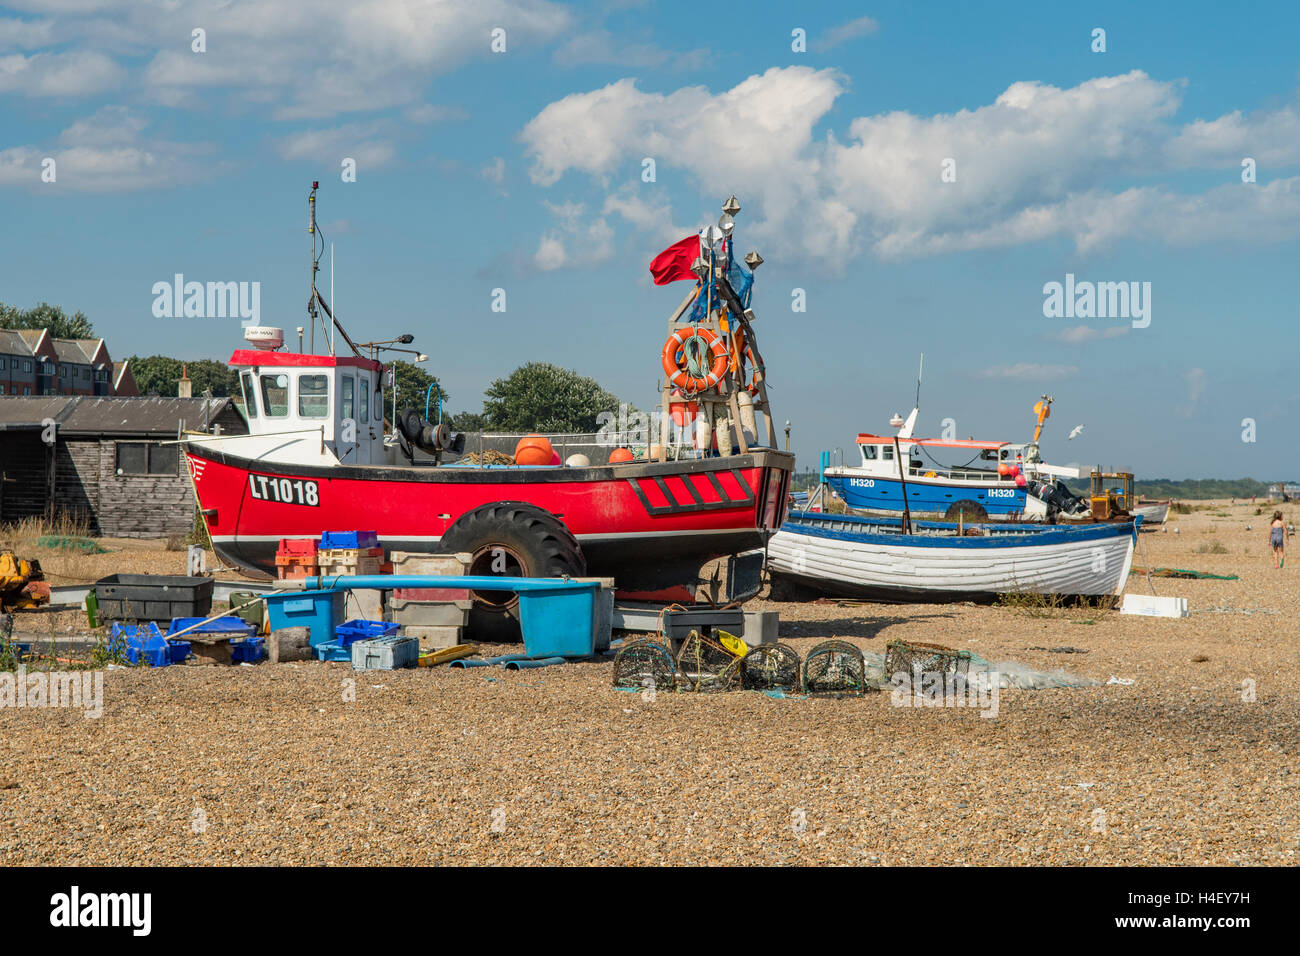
184, 388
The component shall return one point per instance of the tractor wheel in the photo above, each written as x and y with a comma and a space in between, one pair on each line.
968, 510
513, 539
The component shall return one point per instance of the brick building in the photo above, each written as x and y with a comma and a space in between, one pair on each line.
34, 363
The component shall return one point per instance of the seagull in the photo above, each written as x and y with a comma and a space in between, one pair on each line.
1075, 432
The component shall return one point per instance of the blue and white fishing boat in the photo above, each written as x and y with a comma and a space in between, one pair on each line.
872, 558
999, 479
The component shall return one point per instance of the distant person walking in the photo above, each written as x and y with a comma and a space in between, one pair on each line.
1277, 539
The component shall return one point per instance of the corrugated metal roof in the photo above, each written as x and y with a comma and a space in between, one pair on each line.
86, 415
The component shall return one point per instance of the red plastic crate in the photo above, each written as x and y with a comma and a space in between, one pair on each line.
297, 547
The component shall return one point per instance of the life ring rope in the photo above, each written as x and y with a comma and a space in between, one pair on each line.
684, 364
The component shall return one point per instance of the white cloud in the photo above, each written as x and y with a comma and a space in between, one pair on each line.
1195, 381
1029, 371
861, 27
1079, 334
592, 236
551, 253
367, 143
495, 171
600, 47
76, 73
106, 152
1037, 163
303, 60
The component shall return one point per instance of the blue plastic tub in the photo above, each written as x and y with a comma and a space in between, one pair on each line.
322, 611
247, 650
333, 651
142, 643
222, 625
349, 539
362, 630
178, 651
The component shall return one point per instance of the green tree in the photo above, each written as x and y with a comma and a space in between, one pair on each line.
468, 422
46, 316
412, 384
546, 398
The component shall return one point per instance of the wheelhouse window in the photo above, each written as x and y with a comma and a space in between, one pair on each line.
869, 452
346, 398
248, 390
147, 458
313, 396
887, 452
364, 383
275, 395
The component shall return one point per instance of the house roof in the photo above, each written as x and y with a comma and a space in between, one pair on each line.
11, 343
86, 415
71, 352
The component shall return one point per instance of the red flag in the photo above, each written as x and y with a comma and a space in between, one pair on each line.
675, 262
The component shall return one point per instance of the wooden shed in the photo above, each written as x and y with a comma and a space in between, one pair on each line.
106, 460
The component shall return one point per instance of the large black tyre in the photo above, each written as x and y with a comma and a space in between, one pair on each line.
515, 539
969, 510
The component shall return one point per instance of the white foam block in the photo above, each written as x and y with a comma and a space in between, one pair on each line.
1153, 606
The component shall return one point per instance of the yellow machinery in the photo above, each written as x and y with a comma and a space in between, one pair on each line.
1111, 494
22, 585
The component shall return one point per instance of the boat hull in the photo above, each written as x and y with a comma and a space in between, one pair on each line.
848, 556
1152, 512
648, 525
999, 499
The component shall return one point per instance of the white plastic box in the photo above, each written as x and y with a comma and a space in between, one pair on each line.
385, 653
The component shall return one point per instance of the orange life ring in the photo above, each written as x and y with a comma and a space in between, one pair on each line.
678, 375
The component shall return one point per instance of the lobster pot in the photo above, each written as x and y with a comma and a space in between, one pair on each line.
645, 664
914, 658
835, 669
705, 666
770, 667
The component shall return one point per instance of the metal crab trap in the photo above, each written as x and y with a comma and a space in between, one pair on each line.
645, 664
835, 669
770, 667
915, 657
705, 666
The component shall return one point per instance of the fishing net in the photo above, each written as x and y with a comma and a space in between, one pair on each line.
644, 664
913, 657
770, 667
835, 669
704, 665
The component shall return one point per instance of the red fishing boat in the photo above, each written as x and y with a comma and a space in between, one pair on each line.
320, 456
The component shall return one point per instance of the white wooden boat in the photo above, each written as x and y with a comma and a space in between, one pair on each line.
871, 558
1152, 512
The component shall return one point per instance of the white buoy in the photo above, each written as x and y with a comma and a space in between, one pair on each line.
746, 403
703, 431
723, 430
578, 461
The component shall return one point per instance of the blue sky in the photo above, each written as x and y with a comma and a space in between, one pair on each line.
522, 170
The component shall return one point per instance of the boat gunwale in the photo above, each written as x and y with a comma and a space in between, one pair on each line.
998, 535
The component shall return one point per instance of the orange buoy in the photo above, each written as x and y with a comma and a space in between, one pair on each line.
1004, 470
621, 454
534, 450
682, 411
674, 357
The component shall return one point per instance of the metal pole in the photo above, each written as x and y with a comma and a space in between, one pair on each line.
907, 510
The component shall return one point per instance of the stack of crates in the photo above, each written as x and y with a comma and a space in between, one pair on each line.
348, 553
436, 617
297, 558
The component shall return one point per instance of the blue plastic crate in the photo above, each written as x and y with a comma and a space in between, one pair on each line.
333, 651
362, 630
178, 651
349, 539
247, 650
222, 625
559, 622
141, 643
321, 611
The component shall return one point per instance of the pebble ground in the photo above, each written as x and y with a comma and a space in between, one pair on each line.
311, 763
